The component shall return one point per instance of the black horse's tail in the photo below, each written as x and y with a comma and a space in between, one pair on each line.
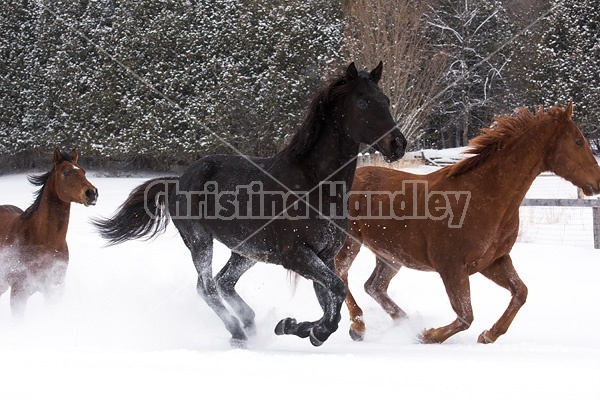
145, 213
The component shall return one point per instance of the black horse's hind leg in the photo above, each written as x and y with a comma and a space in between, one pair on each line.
200, 243
226, 281
330, 292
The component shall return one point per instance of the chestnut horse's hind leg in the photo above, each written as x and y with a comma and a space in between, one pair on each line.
456, 281
377, 286
343, 262
226, 280
503, 273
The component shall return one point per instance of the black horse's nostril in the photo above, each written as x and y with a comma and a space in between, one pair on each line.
401, 142
399, 146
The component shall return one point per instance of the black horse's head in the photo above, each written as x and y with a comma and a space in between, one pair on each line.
366, 114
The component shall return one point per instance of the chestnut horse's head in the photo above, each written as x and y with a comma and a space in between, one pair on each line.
70, 183
570, 157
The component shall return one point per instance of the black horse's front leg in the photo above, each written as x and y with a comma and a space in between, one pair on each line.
330, 292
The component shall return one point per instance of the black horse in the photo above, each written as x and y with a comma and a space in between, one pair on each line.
287, 210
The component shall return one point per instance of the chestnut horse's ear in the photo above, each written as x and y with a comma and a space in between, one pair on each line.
376, 73
351, 72
74, 156
569, 111
57, 156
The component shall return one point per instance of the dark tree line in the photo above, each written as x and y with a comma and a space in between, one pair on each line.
160, 83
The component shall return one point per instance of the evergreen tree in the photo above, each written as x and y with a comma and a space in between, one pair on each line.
567, 60
17, 41
161, 80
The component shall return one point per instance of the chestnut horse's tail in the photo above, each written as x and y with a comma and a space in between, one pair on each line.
144, 214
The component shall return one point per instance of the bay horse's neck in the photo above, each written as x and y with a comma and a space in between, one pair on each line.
51, 218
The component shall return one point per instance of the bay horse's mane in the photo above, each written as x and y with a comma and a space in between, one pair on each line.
305, 138
41, 180
503, 129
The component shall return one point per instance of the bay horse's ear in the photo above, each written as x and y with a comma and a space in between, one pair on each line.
351, 72
376, 73
74, 156
569, 111
57, 156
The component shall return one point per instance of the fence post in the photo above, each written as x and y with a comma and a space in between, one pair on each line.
596, 218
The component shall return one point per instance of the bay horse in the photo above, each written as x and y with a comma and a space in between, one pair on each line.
33, 248
280, 210
461, 219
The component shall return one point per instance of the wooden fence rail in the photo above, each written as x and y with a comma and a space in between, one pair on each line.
594, 203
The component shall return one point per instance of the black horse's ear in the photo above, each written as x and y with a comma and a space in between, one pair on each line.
376, 73
57, 156
351, 72
74, 156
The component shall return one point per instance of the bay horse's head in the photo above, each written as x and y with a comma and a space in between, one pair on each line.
570, 156
367, 117
70, 183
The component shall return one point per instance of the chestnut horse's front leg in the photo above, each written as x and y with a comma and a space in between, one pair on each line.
503, 273
456, 281
343, 262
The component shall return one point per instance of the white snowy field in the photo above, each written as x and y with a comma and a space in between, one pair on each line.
132, 326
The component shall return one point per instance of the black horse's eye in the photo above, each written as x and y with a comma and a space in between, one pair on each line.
579, 142
362, 104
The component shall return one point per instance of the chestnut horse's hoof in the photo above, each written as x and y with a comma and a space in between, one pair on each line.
356, 335
428, 337
486, 337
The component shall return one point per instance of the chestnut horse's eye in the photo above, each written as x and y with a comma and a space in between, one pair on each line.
579, 142
66, 173
362, 104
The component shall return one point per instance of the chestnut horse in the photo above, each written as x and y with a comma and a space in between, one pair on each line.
33, 247
461, 219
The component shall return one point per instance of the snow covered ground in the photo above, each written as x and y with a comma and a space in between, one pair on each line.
132, 326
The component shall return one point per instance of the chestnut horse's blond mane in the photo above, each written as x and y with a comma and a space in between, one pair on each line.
492, 139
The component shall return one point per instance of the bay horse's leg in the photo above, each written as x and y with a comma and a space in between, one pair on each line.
377, 286
19, 294
54, 288
343, 262
305, 262
458, 289
502, 272
200, 243
226, 280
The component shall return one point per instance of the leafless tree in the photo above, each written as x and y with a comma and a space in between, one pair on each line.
393, 31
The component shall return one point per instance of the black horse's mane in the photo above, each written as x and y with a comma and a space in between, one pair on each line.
41, 180
303, 141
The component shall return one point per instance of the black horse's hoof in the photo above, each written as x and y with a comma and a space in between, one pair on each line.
319, 334
284, 325
356, 336
314, 341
